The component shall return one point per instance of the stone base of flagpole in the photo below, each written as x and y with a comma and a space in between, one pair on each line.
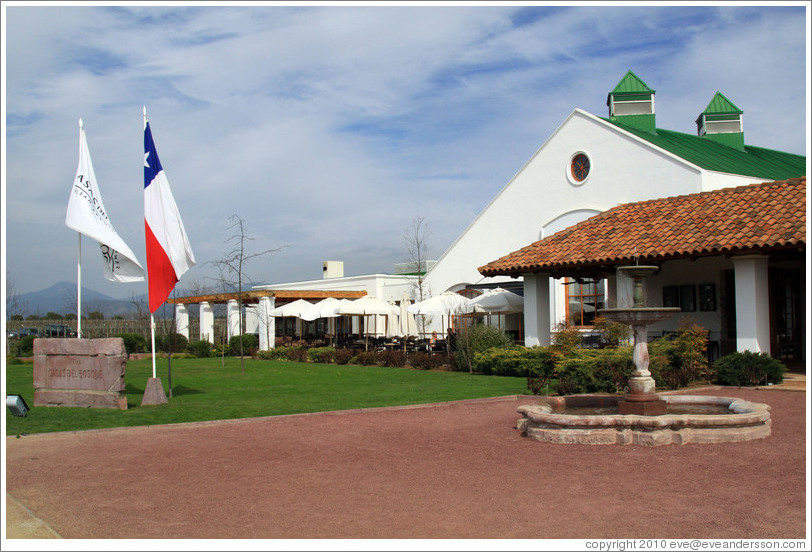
154, 393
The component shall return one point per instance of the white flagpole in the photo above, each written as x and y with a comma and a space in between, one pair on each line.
151, 315
79, 264
152, 329
79, 290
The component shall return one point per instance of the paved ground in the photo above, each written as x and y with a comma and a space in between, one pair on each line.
457, 471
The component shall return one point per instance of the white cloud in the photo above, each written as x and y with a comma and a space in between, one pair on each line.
329, 129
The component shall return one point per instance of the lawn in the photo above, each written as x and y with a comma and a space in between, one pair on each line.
204, 389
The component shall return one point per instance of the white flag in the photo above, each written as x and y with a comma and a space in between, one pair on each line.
87, 215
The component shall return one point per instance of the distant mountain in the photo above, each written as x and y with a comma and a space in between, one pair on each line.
61, 298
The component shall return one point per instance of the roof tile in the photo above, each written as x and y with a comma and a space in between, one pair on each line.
759, 216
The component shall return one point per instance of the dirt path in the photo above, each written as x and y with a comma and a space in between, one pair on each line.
452, 471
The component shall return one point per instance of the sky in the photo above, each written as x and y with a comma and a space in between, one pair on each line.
330, 128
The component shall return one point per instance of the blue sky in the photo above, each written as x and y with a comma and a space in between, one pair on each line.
329, 128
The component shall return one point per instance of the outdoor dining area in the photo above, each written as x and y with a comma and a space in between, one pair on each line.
368, 323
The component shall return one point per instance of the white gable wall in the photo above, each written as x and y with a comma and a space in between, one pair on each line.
623, 169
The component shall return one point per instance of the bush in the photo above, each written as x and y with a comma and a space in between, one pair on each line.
612, 333
566, 340
171, 342
200, 349
681, 358
343, 356
367, 358
277, 353
250, 345
394, 358
426, 361
749, 368
325, 355
296, 354
23, 347
475, 339
595, 371
516, 361
133, 342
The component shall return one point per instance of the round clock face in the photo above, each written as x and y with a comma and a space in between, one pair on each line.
579, 167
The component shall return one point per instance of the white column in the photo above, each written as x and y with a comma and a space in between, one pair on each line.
251, 319
267, 323
182, 320
752, 304
537, 310
206, 322
233, 318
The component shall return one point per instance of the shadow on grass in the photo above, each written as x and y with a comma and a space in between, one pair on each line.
183, 390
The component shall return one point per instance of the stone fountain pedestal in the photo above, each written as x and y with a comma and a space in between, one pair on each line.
641, 398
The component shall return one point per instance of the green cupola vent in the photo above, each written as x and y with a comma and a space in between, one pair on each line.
632, 103
722, 122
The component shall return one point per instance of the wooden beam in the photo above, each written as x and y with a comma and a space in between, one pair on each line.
249, 297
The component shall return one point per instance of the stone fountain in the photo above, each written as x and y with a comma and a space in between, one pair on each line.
641, 398
642, 417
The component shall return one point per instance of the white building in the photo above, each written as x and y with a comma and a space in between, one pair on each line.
590, 165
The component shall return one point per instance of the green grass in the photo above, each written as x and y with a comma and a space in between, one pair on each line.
205, 390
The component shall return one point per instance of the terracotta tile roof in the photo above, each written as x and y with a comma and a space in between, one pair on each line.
767, 216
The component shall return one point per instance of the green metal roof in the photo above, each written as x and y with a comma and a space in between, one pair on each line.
720, 104
713, 156
630, 84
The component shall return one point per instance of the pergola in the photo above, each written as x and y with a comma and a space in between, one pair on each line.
261, 301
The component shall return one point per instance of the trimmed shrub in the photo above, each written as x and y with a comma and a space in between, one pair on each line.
427, 361
171, 342
595, 371
344, 356
133, 342
325, 355
367, 358
392, 357
296, 354
200, 349
749, 369
277, 353
250, 345
516, 361
681, 358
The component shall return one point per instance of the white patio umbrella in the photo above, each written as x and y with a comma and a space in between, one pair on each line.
445, 304
298, 308
498, 300
326, 308
408, 326
367, 306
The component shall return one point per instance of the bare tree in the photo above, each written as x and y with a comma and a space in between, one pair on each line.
231, 269
14, 305
415, 238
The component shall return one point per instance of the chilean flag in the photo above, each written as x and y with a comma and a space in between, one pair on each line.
169, 254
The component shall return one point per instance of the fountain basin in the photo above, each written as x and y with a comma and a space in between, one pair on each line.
594, 420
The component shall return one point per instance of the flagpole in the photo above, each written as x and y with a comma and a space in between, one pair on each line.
79, 262
79, 290
151, 314
152, 330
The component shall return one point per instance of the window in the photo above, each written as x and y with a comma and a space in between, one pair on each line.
583, 301
579, 168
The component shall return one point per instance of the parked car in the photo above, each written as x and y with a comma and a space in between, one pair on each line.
23, 332
58, 330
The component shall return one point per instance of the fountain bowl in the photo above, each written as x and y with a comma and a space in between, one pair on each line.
594, 420
639, 316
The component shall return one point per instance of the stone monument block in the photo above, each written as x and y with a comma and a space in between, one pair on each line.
80, 372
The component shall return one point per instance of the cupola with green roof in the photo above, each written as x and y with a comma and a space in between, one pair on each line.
722, 122
632, 103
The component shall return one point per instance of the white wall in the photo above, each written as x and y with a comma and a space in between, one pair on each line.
624, 169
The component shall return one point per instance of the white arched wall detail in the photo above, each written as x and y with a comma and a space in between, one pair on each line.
565, 220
